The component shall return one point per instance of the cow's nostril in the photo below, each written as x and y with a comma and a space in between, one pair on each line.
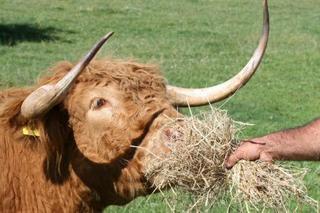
172, 134
168, 132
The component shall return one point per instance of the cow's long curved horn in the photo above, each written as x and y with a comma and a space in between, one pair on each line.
47, 96
202, 96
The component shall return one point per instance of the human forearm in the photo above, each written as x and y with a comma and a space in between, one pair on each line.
302, 143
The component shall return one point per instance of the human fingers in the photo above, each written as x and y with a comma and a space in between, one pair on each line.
246, 151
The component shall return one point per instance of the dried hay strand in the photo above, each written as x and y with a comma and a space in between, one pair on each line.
196, 160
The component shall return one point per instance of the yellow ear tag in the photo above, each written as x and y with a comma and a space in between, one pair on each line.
30, 132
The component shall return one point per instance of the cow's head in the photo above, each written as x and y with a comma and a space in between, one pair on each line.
114, 108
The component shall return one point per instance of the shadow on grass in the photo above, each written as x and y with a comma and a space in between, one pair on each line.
11, 34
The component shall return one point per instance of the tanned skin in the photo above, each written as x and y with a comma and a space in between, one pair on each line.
301, 143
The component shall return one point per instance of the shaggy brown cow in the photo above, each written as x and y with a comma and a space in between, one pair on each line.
71, 145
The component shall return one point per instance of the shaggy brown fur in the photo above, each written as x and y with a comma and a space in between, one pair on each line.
84, 159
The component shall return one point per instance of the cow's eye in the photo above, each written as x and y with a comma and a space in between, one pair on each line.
97, 103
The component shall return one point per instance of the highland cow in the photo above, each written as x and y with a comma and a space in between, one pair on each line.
79, 139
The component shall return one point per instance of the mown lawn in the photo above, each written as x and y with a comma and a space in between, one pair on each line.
195, 42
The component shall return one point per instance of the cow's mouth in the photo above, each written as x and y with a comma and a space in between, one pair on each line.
158, 136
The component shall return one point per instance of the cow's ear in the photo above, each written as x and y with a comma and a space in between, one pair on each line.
57, 137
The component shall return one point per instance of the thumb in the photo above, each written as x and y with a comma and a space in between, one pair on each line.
232, 160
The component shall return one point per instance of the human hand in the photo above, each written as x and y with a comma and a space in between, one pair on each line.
254, 149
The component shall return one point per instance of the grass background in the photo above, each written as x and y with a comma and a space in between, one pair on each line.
195, 42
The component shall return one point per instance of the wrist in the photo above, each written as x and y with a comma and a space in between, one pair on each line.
272, 148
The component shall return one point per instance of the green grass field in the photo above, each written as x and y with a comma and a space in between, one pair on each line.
195, 42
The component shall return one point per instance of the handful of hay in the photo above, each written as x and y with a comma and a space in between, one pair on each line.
196, 160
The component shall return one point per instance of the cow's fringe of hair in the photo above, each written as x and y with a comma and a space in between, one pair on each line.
128, 74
